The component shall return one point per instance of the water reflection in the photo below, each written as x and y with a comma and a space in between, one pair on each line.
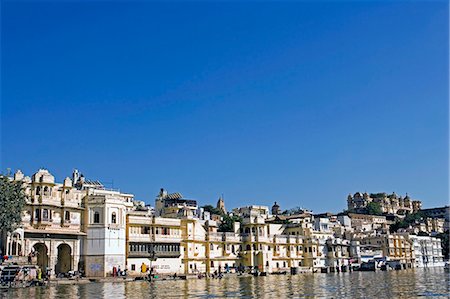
393, 284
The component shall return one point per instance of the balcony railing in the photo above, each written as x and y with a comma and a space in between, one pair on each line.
161, 254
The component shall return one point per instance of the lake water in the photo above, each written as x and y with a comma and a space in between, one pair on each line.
414, 283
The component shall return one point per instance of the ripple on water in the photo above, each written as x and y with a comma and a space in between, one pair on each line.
416, 283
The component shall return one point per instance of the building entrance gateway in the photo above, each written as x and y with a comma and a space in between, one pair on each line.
64, 262
42, 255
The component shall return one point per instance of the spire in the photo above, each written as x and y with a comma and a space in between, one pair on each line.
221, 204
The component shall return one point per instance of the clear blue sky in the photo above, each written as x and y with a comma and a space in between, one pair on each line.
295, 102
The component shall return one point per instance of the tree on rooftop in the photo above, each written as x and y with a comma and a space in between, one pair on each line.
227, 224
374, 208
407, 221
378, 195
213, 210
12, 203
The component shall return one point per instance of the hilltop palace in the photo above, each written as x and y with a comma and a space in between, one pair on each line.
79, 225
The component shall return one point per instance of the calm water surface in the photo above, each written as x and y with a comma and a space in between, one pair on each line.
417, 283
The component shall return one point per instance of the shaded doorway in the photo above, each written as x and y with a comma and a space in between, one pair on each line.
64, 263
42, 255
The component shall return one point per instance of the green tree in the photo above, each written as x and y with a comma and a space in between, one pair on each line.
374, 208
227, 224
213, 210
406, 222
413, 217
399, 223
12, 203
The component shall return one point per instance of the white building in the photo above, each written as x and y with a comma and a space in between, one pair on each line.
105, 219
70, 226
428, 251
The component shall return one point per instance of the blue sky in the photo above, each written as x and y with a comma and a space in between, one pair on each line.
295, 102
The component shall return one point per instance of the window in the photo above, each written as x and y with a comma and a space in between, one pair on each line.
113, 217
45, 214
38, 190
67, 216
37, 214
133, 267
96, 217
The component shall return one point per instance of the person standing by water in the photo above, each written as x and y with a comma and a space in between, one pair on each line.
143, 268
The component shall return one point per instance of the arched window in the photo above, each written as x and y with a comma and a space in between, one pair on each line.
45, 190
113, 217
67, 216
38, 190
211, 247
96, 217
248, 246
